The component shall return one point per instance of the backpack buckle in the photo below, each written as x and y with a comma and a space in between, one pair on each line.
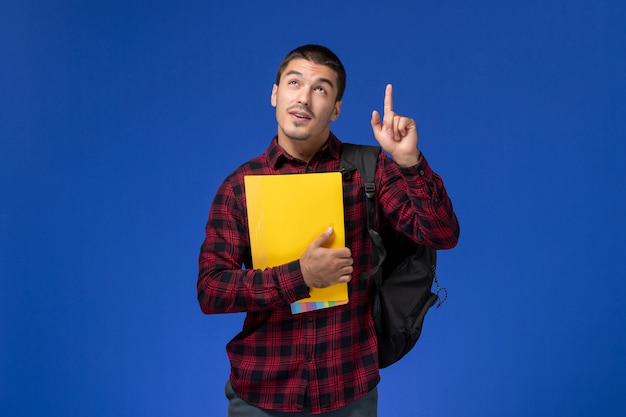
370, 188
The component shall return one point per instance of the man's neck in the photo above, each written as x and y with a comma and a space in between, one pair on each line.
301, 149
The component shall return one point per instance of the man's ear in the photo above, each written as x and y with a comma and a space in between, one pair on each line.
273, 97
336, 111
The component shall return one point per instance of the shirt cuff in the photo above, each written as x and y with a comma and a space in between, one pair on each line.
291, 284
421, 169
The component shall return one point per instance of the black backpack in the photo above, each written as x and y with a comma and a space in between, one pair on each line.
404, 271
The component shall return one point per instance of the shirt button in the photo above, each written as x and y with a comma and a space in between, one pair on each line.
421, 172
309, 168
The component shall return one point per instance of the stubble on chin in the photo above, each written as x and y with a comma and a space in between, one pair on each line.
295, 134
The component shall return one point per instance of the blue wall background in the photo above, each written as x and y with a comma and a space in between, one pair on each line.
119, 119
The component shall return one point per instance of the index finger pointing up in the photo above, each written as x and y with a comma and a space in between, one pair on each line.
388, 105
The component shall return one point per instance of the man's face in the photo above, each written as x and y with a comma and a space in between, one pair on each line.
305, 101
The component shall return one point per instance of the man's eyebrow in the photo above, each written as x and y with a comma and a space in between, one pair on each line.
322, 79
294, 72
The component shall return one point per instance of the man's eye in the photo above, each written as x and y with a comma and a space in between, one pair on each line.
321, 89
293, 82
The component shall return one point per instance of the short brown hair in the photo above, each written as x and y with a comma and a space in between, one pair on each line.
319, 55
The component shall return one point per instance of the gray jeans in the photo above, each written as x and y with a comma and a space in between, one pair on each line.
366, 406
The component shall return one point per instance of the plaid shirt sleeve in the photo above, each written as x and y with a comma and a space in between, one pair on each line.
414, 201
223, 286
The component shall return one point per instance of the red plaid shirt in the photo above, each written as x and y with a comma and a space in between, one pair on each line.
329, 356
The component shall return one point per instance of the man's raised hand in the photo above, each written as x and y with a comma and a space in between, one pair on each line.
396, 134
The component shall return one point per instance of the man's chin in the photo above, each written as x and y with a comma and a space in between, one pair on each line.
297, 135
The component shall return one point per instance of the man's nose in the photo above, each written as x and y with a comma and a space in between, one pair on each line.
304, 96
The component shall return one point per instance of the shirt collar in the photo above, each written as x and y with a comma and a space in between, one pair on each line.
276, 155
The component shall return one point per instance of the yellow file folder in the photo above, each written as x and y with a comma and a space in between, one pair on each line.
286, 213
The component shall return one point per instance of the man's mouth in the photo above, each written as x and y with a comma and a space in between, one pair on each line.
300, 114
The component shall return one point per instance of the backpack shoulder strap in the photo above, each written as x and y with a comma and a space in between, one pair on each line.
364, 159
360, 157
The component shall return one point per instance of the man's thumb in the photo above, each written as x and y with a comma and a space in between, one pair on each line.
375, 121
320, 241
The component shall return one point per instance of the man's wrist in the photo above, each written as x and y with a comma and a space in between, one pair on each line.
409, 160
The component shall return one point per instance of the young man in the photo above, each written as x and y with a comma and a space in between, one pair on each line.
324, 361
